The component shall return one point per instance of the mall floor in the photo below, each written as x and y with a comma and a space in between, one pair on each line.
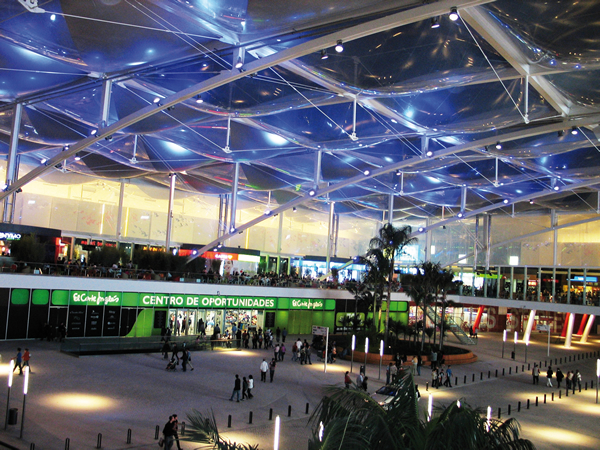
78, 398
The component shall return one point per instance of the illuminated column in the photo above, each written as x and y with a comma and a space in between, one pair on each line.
391, 210
588, 327
11, 162
530, 321
279, 233
119, 233
317, 175
569, 330
234, 192
478, 318
170, 211
582, 324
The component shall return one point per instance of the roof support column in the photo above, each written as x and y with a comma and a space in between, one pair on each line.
488, 245
279, 234
569, 336
588, 328
105, 105
234, 192
336, 232
317, 176
427, 240
330, 235
553, 224
391, 209
463, 198
11, 162
170, 212
120, 211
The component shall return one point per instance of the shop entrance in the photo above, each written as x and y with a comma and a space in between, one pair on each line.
183, 322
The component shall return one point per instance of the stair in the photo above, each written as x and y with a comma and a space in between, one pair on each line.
450, 325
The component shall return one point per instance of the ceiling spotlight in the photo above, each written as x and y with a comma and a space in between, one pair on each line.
367, 173
435, 22
93, 132
156, 100
220, 245
267, 212
339, 47
109, 138
505, 201
453, 14
199, 100
460, 215
574, 131
531, 202
232, 230
65, 148
421, 229
239, 63
561, 133
77, 156
312, 193
498, 146
43, 161
429, 153
294, 209
324, 54
556, 188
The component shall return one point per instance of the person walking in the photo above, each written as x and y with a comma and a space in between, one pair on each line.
175, 431
347, 380
237, 386
448, 380
169, 434
184, 359
26, 358
272, 366
415, 362
284, 334
189, 359
250, 386
307, 347
434, 377
18, 361
282, 351
365, 383
549, 374
264, 367
535, 372
245, 389
559, 377
569, 379
276, 352
577, 378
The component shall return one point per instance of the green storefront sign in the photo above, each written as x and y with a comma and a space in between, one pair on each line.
94, 298
207, 301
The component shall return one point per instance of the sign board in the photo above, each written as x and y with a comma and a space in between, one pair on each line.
540, 327
319, 331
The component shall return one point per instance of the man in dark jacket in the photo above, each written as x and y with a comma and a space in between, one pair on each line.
237, 387
169, 432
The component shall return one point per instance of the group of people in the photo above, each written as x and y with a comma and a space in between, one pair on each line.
301, 352
22, 360
244, 386
185, 360
441, 376
170, 433
572, 378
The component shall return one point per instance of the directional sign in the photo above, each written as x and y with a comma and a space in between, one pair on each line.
542, 327
319, 331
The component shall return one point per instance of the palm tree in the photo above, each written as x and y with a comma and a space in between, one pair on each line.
389, 242
350, 419
204, 429
422, 289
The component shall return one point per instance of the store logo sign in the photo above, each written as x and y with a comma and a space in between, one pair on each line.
8, 236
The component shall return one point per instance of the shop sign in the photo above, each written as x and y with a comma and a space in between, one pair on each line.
221, 256
306, 303
8, 236
205, 301
587, 279
95, 298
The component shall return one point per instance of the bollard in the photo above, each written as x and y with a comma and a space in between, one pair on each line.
569, 359
553, 396
156, 432
536, 400
229, 421
503, 371
289, 410
270, 413
577, 357
427, 386
561, 360
555, 361
480, 376
306, 412
32, 446
519, 407
573, 388
523, 368
129, 435
516, 369
465, 380
489, 374
509, 410
567, 392
579, 386
559, 394
586, 385
496, 373
250, 417
527, 403
592, 387
544, 399
473, 378
499, 413
456, 381
99, 441
509, 370
182, 428
67, 443
529, 366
